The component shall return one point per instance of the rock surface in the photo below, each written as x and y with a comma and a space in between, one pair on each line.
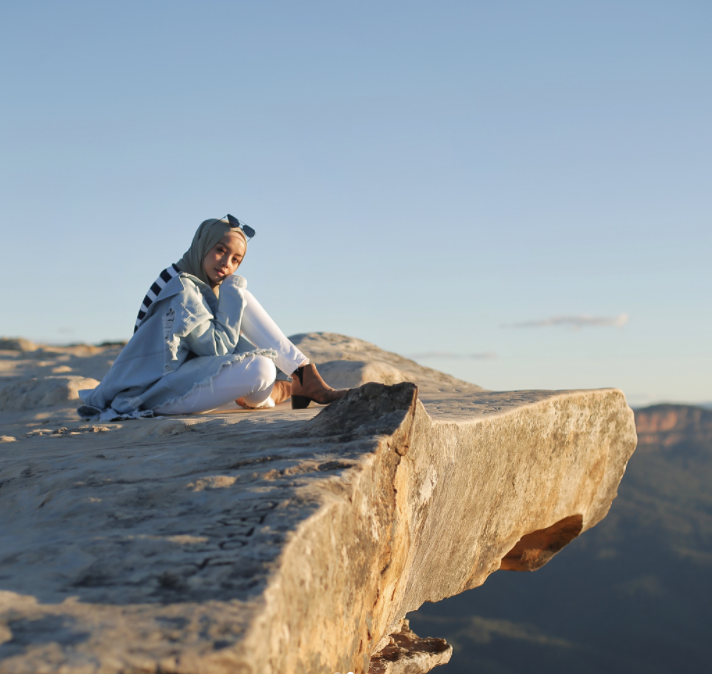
281, 541
347, 362
407, 653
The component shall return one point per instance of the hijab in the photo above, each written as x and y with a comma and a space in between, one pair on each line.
208, 234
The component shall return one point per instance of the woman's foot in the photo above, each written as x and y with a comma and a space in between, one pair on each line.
307, 385
280, 392
263, 405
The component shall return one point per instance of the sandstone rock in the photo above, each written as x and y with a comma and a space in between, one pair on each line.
16, 344
347, 362
355, 373
287, 541
407, 653
28, 394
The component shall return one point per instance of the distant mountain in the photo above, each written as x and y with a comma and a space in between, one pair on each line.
634, 594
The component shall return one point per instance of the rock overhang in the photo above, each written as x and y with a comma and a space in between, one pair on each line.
290, 541
273, 534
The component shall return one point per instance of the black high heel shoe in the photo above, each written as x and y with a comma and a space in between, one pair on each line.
307, 385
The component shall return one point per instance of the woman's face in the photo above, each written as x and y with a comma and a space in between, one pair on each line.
224, 258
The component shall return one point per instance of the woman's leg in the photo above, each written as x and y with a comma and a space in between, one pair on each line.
264, 333
252, 380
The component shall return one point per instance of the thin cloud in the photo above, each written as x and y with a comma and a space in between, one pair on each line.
447, 354
574, 322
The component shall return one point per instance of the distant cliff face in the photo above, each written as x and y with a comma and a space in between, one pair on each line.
671, 425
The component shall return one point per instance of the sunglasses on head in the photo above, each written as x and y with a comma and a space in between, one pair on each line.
236, 224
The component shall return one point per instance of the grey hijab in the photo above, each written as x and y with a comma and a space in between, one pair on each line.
208, 234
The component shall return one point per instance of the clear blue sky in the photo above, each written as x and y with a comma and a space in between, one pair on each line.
420, 174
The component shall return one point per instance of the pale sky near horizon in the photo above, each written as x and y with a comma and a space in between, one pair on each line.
517, 193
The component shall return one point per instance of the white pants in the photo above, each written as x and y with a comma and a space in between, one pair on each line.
251, 379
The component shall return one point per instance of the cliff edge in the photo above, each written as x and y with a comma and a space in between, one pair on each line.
282, 541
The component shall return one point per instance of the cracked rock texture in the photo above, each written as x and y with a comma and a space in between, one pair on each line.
280, 541
407, 653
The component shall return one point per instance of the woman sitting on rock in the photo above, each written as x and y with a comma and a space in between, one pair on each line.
201, 340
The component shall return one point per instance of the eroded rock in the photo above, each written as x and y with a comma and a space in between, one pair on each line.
346, 362
287, 541
28, 394
407, 653
17, 344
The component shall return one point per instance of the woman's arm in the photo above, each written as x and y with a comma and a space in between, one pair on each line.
202, 332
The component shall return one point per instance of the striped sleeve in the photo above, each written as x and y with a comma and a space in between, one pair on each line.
154, 291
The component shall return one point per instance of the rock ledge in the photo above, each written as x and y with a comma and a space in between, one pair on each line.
290, 541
